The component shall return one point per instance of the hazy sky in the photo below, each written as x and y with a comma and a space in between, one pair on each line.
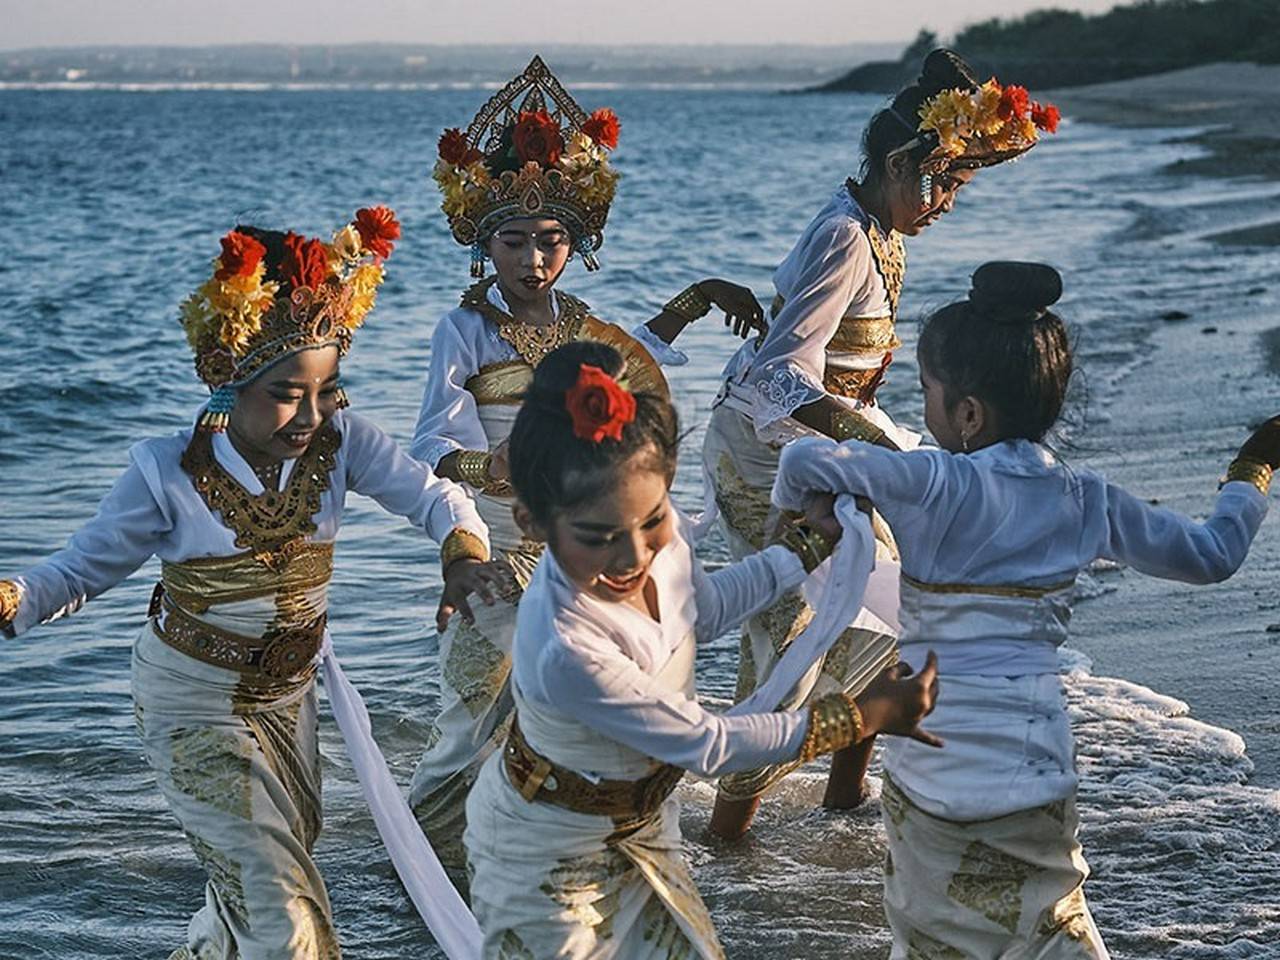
25, 23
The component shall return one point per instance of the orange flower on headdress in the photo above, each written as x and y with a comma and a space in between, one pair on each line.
378, 228
241, 255
598, 405
602, 127
1046, 118
1014, 102
537, 138
305, 262
454, 149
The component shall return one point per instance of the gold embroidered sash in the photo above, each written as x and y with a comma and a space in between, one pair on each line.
989, 590
203, 582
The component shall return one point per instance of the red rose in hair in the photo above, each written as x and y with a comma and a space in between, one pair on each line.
1013, 102
598, 405
305, 262
1046, 118
537, 137
241, 255
602, 127
377, 227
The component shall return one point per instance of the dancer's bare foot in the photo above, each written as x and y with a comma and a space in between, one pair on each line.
731, 819
846, 784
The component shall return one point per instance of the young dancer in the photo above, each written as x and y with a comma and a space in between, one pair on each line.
572, 836
993, 531
830, 341
528, 186
243, 509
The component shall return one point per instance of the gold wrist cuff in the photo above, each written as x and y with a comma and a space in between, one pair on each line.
10, 597
473, 468
1250, 471
462, 544
807, 544
689, 304
835, 722
847, 425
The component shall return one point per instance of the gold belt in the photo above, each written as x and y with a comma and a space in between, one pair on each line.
279, 654
537, 778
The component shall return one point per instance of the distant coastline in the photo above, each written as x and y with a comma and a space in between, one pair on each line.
423, 66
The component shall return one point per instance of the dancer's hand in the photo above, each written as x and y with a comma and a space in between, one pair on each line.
1264, 444
820, 514
499, 464
742, 311
462, 578
896, 701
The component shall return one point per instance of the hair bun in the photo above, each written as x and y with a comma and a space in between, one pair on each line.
1014, 291
945, 69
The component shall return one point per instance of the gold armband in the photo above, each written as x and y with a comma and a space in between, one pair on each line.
835, 722
807, 544
1254, 472
847, 425
689, 304
10, 597
473, 468
462, 544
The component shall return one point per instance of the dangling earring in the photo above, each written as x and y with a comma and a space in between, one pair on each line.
217, 413
587, 249
964, 442
340, 399
477, 260
926, 190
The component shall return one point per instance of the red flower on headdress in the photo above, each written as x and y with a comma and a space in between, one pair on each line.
454, 149
378, 228
1013, 102
1046, 118
241, 255
305, 262
598, 405
602, 127
537, 137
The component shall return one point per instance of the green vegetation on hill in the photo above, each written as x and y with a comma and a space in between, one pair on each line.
1062, 48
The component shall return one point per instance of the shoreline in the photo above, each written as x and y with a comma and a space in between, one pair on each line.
1235, 104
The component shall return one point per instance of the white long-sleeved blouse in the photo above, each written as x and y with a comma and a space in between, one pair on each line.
155, 509
594, 662
991, 543
830, 273
464, 341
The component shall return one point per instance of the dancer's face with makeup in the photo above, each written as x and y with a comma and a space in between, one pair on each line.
911, 212
607, 544
529, 254
277, 414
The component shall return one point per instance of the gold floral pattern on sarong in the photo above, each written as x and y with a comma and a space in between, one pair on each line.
1069, 916
990, 882
315, 935
786, 620
663, 930
672, 880
277, 736
475, 668
511, 947
213, 766
588, 888
921, 946
893, 802
224, 874
273, 525
1057, 809
744, 507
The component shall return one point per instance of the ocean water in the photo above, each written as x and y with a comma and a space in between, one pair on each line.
113, 203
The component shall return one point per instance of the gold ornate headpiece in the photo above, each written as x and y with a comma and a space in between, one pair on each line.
979, 128
531, 151
274, 294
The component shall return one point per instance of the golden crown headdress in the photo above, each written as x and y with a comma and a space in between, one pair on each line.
273, 294
531, 151
971, 128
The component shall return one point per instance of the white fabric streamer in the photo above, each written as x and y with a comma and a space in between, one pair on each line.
441, 908
846, 582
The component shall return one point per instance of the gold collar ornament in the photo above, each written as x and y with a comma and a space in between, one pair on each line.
272, 295
531, 151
